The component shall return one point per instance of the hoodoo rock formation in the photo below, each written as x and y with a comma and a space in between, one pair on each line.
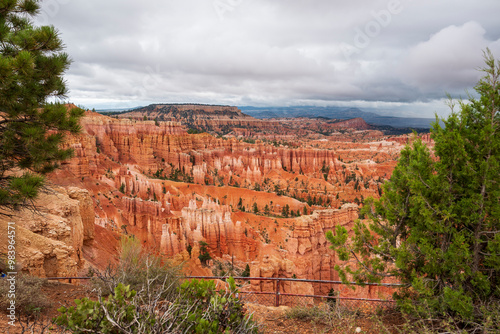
263, 194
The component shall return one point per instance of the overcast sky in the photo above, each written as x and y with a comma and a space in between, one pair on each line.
400, 56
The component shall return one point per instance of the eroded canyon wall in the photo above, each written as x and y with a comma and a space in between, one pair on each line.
261, 202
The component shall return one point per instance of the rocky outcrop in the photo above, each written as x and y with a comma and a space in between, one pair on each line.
38, 255
305, 243
87, 214
405, 139
50, 240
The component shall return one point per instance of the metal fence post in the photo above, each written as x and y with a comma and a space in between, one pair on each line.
277, 293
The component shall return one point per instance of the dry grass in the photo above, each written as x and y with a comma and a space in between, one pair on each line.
29, 297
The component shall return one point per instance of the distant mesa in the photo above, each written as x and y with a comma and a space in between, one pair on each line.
173, 112
217, 119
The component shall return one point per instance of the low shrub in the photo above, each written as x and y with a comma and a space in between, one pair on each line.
137, 269
113, 315
213, 311
305, 313
485, 319
334, 316
198, 308
30, 300
143, 294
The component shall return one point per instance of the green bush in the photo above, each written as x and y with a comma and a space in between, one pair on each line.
214, 311
204, 255
95, 316
198, 308
145, 296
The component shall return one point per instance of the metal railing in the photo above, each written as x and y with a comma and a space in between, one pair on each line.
340, 297
67, 278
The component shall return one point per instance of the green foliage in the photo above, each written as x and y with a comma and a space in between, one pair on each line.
249, 140
122, 188
89, 315
422, 319
255, 208
31, 130
204, 255
214, 311
246, 272
198, 308
336, 318
158, 304
436, 226
285, 211
192, 131
175, 175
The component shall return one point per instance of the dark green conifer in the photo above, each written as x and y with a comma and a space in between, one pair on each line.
31, 129
436, 226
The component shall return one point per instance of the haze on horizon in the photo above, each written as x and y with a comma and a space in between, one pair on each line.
400, 57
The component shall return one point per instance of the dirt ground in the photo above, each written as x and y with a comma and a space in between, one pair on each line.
60, 294
273, 320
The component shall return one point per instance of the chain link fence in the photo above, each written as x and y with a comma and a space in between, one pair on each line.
353, 297
360, 298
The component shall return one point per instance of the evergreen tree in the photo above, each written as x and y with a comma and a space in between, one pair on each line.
204, 254
255, 208
436, 226
266, 210
31, 129
285, 212
246, 272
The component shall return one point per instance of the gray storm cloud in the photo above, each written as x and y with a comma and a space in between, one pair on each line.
398, 53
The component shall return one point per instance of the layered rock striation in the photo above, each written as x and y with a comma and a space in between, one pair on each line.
251, 196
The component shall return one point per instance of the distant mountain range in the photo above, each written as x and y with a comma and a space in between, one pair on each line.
337, 113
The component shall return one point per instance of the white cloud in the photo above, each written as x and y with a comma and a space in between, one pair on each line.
448, 60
